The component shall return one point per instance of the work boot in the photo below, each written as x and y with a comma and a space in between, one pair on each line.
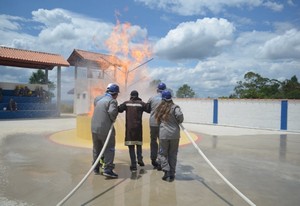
154, 163
166, 176
158, 167
96, 171
133, 168
110, 173
141, 163
172, 178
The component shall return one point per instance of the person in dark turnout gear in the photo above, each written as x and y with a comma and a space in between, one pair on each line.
168, 116
134, 128
105, 113
152, 103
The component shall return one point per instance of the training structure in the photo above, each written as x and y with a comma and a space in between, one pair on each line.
93, 71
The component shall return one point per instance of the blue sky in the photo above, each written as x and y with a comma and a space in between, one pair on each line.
208, 45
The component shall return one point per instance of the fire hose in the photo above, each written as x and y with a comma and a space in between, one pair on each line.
90, 171
215, 169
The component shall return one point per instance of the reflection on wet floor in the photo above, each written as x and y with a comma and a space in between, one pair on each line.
283, 139
283, 147
264, 167
214, 141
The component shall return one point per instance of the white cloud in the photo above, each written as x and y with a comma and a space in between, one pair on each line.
282, 27
57, 31
195, 40
196, 7
52, 18
218, 76
285, 46
9, 22
291, 3
273, 6
211, 78
271, 54
224, 54
63, 31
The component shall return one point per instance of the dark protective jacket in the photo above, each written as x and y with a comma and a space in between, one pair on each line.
134, 127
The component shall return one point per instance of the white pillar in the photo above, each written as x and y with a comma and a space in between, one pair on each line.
58, 96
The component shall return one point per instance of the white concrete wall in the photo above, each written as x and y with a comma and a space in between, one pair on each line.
196, 110
264, 114
257, 113
81, 97
250, 113
293, 115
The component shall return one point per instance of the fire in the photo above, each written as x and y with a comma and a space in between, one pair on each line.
123, 44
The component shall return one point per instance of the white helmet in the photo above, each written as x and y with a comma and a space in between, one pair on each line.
109, 85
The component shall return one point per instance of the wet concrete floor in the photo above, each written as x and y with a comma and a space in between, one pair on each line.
263, 165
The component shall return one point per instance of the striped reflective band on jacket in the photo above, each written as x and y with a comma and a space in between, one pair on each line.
133, 105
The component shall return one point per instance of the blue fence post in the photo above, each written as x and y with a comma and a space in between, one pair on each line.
284, 115
215, 112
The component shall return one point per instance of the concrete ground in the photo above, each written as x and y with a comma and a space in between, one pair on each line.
264, 165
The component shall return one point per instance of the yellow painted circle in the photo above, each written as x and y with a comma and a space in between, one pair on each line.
81, 136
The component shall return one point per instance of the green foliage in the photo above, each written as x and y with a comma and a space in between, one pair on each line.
255, 86
291, 88
185, 91
39, 77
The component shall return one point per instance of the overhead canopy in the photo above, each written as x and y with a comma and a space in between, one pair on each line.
36, 60
30, 59
91, 59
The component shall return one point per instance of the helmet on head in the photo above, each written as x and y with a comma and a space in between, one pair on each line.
161, 86
109, 85
107, 88
166, 95
113, 89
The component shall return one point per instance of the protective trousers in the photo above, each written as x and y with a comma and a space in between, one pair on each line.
109, 153
154, 133
168, 149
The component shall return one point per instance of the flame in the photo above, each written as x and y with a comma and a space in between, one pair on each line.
123, 44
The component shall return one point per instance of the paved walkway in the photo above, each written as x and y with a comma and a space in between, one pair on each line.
264, 165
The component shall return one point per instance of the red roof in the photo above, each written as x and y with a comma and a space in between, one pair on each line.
86, 59
30, 59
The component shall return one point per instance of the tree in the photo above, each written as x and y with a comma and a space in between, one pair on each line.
39, 77
256, 86
291, 88
185, 91
251, 87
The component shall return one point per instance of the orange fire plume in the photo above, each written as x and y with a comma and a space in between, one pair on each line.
123, 44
